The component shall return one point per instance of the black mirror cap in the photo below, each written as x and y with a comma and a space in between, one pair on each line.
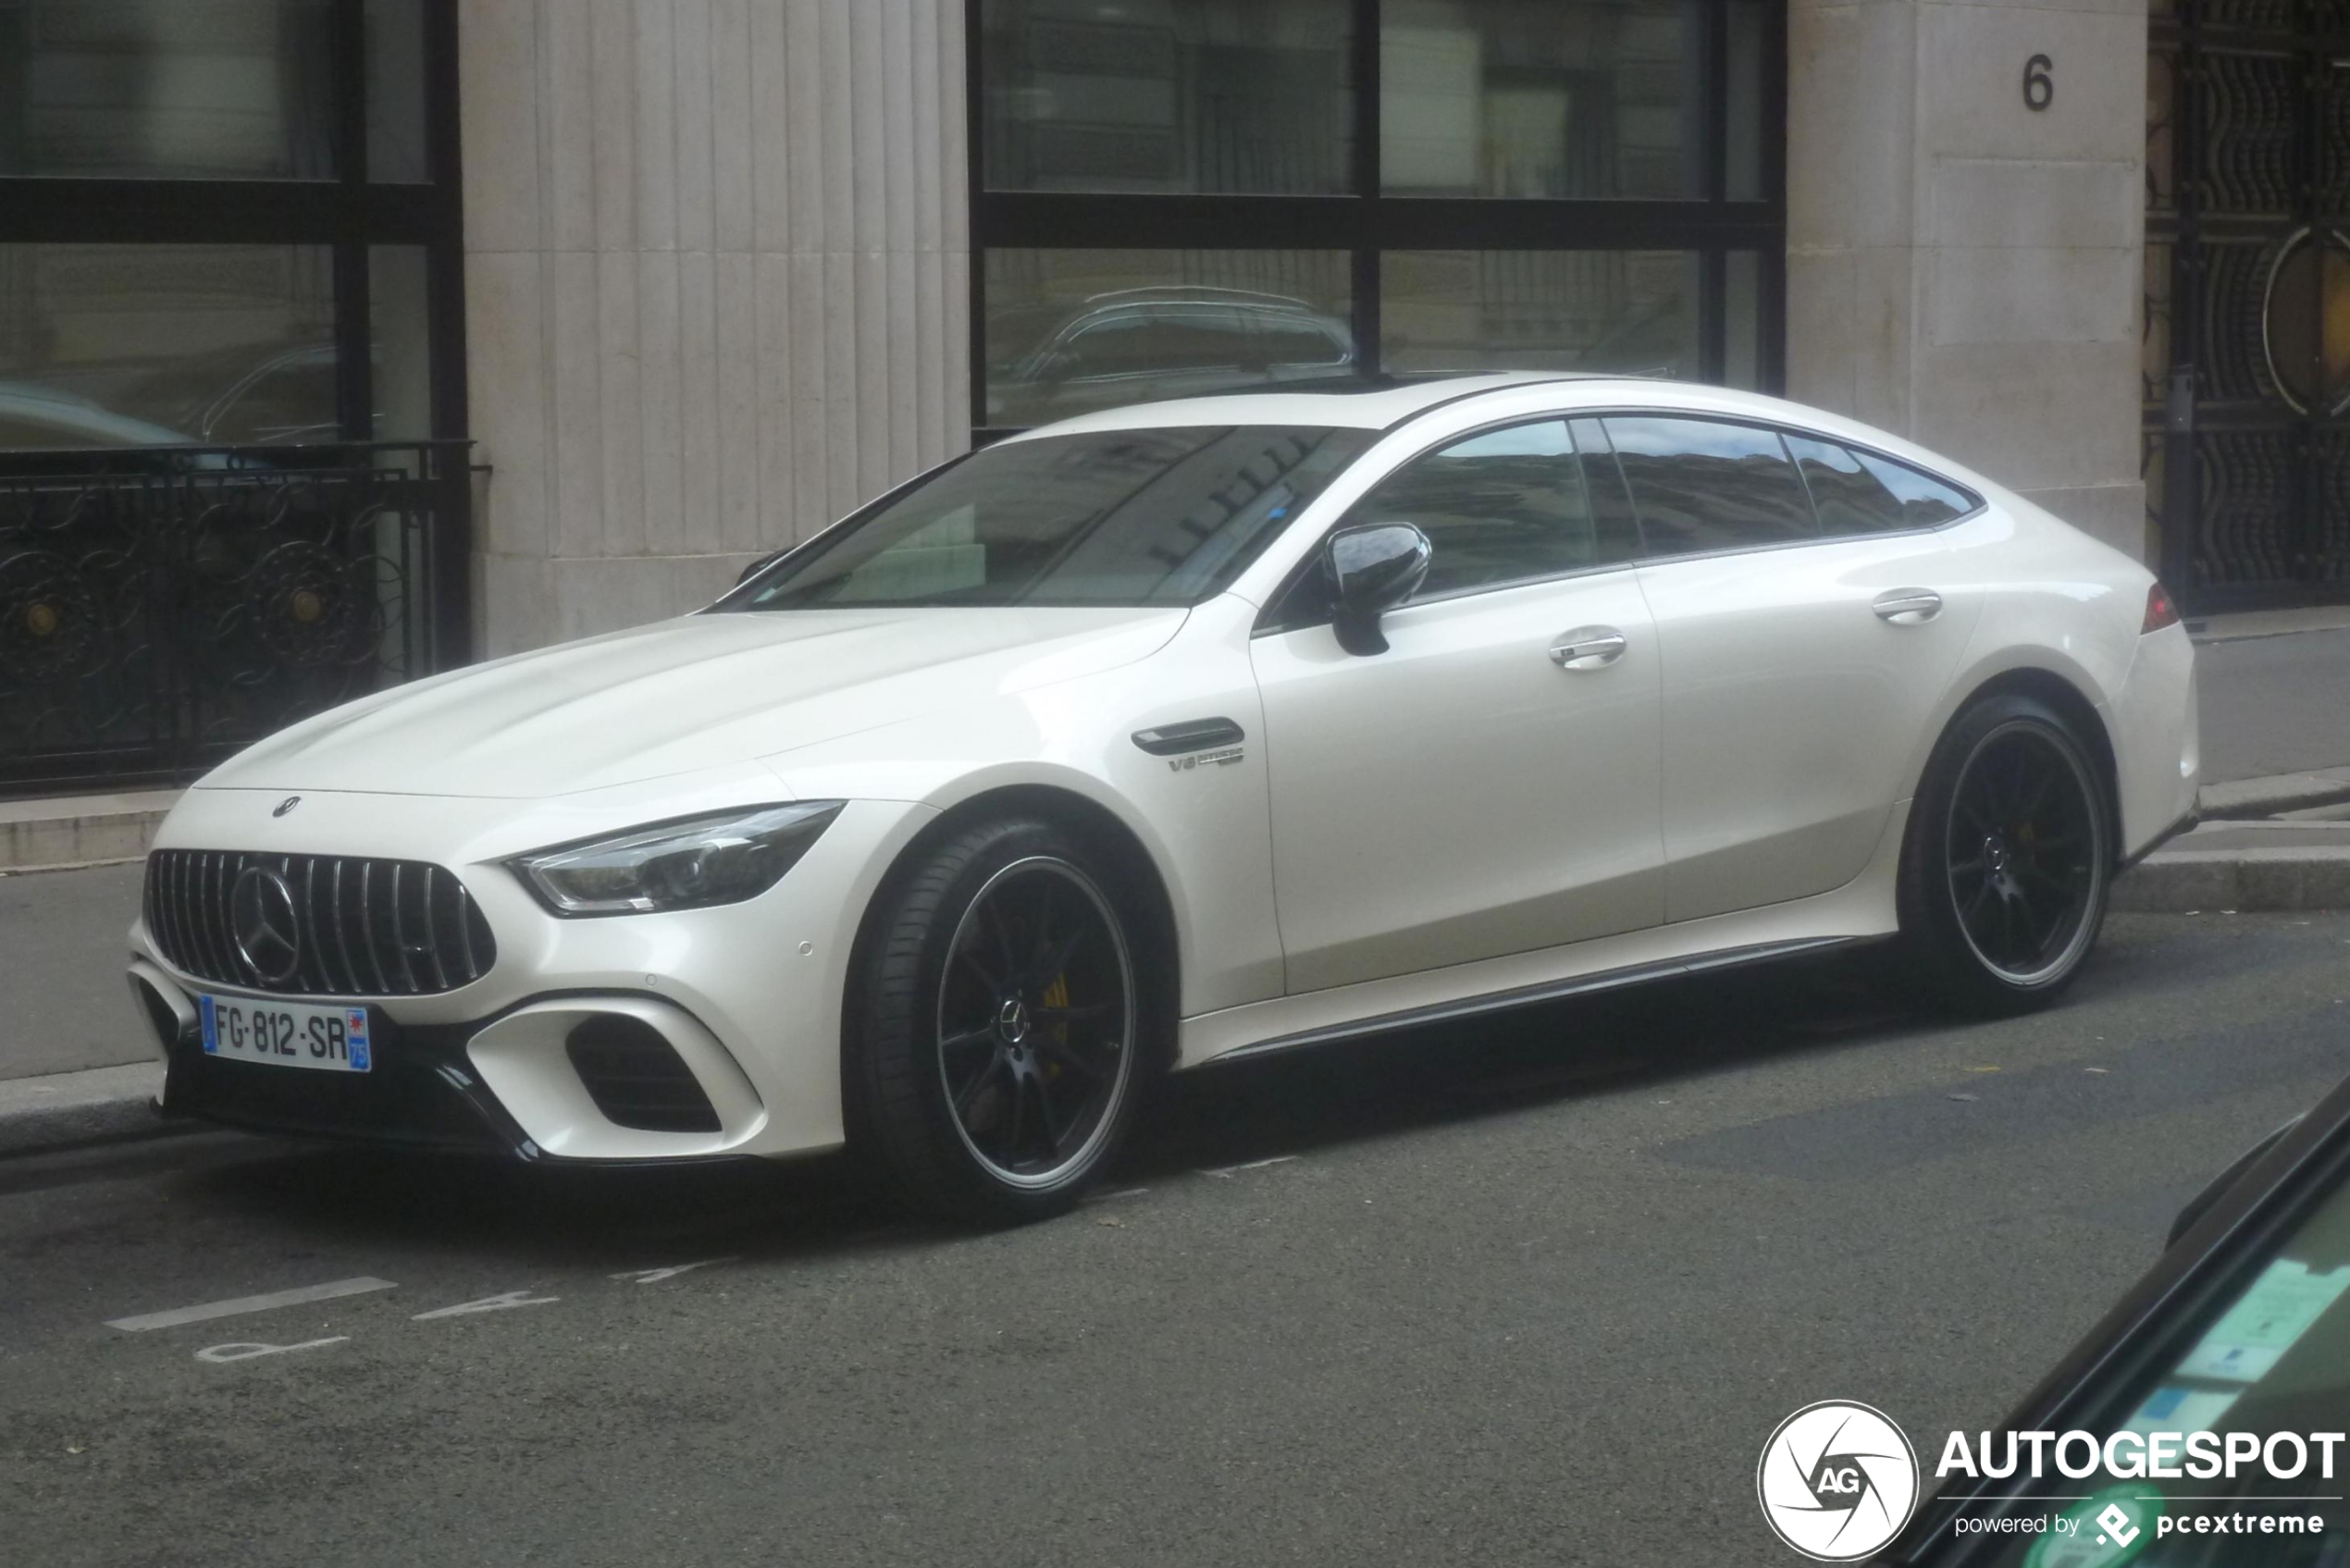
1373, 568
756, 567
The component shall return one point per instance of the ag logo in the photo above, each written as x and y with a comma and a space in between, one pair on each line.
1838, 1481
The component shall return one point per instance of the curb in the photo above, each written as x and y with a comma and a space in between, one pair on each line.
2185, 881
2243, 799
63, 1110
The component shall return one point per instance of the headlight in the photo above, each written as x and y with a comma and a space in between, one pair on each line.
684, 864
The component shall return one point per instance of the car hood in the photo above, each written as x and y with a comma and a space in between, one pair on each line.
680, 696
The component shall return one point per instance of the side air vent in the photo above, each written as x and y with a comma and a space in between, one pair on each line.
636, 1077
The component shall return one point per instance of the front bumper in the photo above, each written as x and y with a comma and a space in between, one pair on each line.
743, 1001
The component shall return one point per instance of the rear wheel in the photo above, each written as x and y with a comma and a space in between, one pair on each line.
994, 1061
2009, 858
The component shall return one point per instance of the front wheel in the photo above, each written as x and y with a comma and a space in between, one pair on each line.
994, 1058
2009, 859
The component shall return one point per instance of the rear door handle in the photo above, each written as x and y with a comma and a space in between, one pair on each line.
1588, 647
1908, 607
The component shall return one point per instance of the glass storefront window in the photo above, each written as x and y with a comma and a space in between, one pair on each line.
1742, 321
396, 92
1742, 110
1230, 96
1589, 99
149, 345
1072, 330
398, 309
1634, 312
168, 89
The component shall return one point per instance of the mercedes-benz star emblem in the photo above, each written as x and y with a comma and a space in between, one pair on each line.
261, 915
287, 804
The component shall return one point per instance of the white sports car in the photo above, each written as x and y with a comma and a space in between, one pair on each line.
1165, 736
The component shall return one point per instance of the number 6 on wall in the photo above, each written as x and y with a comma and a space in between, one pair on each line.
2038, 90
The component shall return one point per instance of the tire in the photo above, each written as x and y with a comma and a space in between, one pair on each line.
1000, 1030
2009, 861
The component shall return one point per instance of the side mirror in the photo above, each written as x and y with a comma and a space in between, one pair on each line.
1373, 568
756, 567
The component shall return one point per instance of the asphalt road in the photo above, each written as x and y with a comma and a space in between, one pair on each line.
1534, 1293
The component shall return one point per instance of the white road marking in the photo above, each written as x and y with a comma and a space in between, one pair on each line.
178, 1315
247, 1349
655, 1275
500, 1303
1225, 1172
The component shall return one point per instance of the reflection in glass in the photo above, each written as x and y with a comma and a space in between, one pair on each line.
1630, 312
1072, 330
1704, 485
145, 345
167, 89
1124, 517
396, 92
1540, 98
1743, 105
1742, 320
397, 299
1241, 96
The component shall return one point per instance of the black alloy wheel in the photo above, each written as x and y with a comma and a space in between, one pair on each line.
1001, 1022
2010, 857
1036, 1021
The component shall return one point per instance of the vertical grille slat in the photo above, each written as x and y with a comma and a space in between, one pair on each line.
432, 934
367, 924
342, 928
437, 936
399, 929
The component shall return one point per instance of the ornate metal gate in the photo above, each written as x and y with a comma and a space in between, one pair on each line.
2247, 323
165, 606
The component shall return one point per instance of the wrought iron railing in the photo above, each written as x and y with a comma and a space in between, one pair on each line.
160, 608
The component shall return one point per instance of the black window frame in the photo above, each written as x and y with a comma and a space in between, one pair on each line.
1368, 222
347, 214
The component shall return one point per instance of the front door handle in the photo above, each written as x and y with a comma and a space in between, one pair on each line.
1588, 647
1908, 607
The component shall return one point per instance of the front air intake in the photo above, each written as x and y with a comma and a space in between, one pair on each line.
636, 1077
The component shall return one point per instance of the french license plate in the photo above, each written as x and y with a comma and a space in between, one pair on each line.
286, 1034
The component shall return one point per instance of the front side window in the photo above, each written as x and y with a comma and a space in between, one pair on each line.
1114, 517
1503, 506
1702, 485
1857, 492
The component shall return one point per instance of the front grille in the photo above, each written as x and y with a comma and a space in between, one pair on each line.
364, 928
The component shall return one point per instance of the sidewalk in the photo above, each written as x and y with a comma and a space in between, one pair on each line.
2275, 694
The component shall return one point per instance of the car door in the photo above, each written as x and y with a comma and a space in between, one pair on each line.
1489, 783
1804, 647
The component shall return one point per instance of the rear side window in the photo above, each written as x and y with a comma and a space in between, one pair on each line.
1501, 506
1857, 492
1703, 485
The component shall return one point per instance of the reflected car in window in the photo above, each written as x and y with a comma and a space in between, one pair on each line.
1144, 343
1171, 736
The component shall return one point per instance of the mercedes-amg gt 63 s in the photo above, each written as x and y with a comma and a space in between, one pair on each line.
1167, 734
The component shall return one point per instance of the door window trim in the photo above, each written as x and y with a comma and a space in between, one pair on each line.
1273, 622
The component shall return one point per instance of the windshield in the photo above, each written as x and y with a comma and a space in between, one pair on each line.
1110, 518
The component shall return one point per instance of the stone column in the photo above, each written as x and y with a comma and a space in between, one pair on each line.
1961, 267
717, 287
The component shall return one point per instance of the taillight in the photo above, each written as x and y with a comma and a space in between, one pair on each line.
2160, 611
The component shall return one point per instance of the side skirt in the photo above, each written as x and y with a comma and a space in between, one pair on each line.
1551, 991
